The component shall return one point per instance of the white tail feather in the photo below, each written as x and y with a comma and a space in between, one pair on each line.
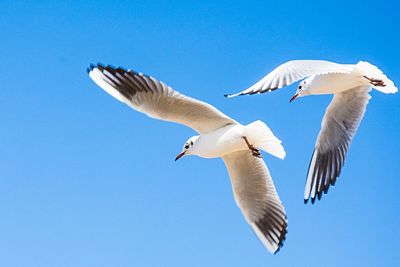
262, 137
371, 71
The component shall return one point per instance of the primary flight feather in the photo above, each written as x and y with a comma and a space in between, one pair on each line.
219, 136
350, 84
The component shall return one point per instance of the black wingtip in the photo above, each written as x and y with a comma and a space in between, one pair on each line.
312, 199
282, 237
109, 66
90, 68
123, 68
95, 66
326, 189
235, 95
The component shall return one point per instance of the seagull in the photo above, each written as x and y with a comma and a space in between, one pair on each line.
350, 84
219, 136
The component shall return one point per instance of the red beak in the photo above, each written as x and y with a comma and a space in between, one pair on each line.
294, 97
180, 155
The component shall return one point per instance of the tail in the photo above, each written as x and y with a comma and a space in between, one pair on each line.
371, 71
262, 137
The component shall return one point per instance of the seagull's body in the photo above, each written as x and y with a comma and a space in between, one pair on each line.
229, 139
350, 84
338, 82
225, 140
219, 136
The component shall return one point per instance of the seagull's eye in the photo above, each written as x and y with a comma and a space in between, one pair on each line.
300, 87
187, 146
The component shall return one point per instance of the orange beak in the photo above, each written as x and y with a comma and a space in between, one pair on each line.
180, 155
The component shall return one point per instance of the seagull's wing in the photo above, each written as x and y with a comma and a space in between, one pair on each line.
157, 100
256, 196
291, 72
340, 123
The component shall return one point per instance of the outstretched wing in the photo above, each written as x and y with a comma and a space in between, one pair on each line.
256, 196
157, 100
291, 72
340, 123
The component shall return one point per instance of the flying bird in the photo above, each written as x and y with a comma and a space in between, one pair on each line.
219, 136
350, 84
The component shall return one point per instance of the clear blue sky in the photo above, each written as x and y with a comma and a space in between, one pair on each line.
85, 181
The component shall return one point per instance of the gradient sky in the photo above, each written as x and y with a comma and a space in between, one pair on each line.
85, 181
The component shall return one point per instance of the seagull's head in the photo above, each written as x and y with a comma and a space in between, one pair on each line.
302, 89
187, 147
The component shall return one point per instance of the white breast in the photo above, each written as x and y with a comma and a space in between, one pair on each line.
223, 141
333, 83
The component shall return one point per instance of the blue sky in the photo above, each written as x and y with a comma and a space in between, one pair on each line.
85, 181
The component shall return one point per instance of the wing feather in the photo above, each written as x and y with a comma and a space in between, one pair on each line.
291, 72
339, 125
256, 196
157, 100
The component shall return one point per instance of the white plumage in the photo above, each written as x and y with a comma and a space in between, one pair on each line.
291, 72
350, 84
220, 136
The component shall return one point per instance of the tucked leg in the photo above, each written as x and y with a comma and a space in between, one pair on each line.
256, 152
375, 82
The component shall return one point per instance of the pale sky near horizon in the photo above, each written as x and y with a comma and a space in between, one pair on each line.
86, 181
